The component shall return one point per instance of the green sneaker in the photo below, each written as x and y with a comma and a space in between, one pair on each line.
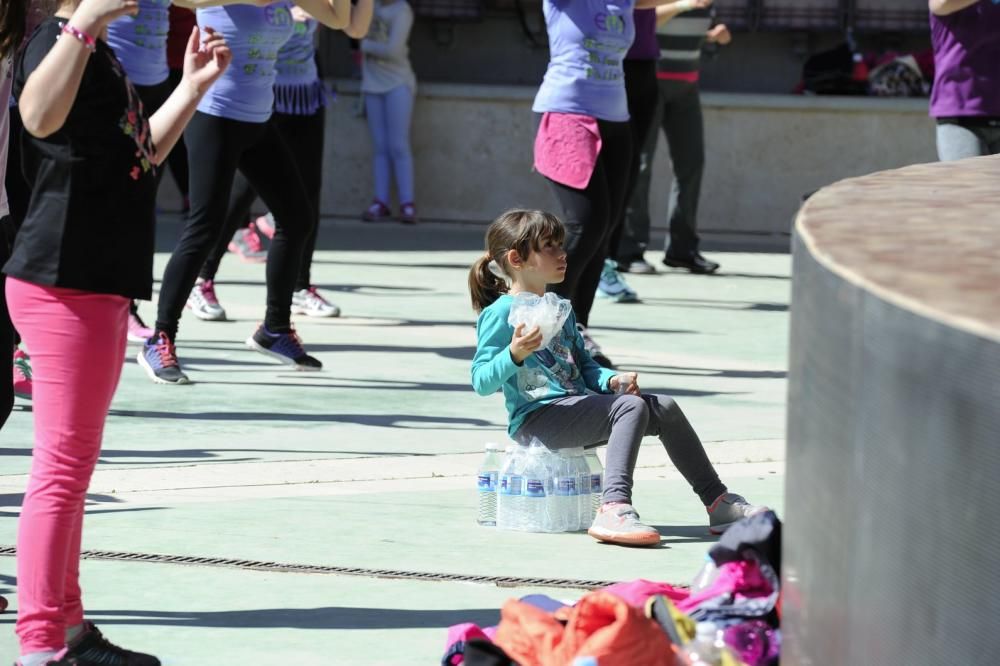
612, 285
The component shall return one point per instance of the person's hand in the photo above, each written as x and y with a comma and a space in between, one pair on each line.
207, 56
525, 343
299, 15
719, 35
625, 382
91, 16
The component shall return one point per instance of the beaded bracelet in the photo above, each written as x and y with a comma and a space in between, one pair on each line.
89, 42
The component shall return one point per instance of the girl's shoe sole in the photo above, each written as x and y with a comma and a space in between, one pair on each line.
624, 539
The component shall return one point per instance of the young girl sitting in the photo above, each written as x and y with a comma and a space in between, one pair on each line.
580, 403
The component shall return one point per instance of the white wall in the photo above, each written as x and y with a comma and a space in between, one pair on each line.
473, 146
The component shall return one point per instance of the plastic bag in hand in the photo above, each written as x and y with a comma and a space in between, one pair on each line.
548, 313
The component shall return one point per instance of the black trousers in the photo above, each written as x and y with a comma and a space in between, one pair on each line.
152, 98
177, 160
682, 123
643, 98
304, 136
591, 216
18, 196
217, 147
6, 327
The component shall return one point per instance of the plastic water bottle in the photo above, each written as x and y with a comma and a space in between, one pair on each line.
537, 489
705, 576
707, 647
510, 497
583, 504
487, 483
567, 492
596, 482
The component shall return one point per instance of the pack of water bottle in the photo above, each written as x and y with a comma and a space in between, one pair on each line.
534, 489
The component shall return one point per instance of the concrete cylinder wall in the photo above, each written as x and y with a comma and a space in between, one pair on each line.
893, 456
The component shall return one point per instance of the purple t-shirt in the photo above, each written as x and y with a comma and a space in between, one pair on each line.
588, 40
967, 61
255, 36
644, 47
140, 42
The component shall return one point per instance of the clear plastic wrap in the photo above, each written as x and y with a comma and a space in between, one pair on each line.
548, 312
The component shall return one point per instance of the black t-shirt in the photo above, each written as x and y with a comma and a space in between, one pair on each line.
90, 223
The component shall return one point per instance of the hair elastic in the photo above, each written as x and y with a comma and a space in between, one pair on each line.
496, 270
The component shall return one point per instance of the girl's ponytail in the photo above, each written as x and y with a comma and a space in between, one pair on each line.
485, 287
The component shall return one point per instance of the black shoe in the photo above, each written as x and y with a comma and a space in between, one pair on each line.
694, 263
594, 349
284, 347
93, 649
639, 266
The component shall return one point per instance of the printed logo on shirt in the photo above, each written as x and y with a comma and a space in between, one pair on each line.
611, 20
605, 54
277, 15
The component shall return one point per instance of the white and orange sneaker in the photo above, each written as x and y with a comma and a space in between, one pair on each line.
730, 508
619, 523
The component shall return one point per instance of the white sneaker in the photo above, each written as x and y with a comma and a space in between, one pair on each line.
729, 509
203, 302
309, 302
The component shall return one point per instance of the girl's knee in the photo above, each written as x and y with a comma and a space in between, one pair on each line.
663, 403
631, 404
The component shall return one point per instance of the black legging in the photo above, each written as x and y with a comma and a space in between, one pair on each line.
591, 215
177, 160
6, 327
217, 147
18, 196
152, 98
643, 95
304, 136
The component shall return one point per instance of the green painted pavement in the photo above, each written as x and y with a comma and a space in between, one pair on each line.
361, 465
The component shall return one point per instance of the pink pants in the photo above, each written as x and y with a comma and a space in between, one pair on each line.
77, 342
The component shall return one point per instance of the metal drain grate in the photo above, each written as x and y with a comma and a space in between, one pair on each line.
279, 567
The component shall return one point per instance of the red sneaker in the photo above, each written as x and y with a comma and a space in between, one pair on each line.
22, 375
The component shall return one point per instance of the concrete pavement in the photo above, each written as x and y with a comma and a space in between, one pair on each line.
369, 464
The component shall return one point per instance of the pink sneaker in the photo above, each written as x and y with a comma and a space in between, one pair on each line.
22, 375
377, 211
408, 213
247, 246
137, 329
265, 225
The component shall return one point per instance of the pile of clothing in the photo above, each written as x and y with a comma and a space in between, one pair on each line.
645, 623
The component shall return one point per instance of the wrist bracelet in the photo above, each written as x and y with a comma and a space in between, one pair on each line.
685, 5
89, 42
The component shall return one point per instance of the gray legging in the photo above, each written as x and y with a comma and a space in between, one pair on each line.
622, 421
956, 142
